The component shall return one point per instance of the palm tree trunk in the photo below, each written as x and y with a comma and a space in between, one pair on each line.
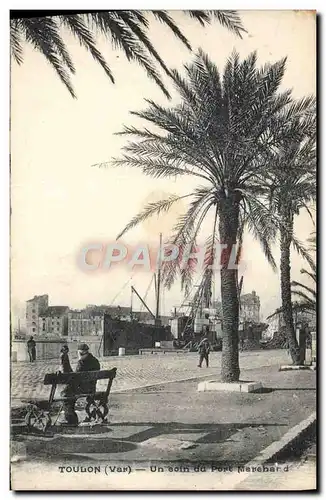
285, 267
228, 228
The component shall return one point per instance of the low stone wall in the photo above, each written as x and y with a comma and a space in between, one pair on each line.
50, 349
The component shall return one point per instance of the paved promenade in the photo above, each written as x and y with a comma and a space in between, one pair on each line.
175, 426
137, 371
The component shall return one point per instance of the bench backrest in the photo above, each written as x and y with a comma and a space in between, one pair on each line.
76, 378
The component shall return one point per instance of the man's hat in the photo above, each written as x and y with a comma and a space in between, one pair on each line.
83, 347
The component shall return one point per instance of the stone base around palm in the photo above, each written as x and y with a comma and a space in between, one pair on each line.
285, 368
240, 386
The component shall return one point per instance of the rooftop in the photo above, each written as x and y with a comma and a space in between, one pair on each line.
55, 311
36, 297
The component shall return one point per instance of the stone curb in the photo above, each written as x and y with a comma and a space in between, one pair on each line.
277, 448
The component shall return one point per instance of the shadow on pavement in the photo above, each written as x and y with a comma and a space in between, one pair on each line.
77, 444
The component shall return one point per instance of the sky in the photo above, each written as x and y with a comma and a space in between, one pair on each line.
60, 200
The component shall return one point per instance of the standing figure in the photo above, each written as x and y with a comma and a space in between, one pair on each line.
65, 366
203, 349
31, 348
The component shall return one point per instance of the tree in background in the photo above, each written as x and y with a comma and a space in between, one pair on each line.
292, 174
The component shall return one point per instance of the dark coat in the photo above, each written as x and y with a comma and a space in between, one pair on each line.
204, 348
31, 344
65, 363
88, 363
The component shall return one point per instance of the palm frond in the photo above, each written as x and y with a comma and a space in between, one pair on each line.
184, 235
304, 287
127, 30
312, 275
262, 224
164, 18
277, 312
15, 41
305, 297
302, 251
201, 16
113, 25
296, 307
303, 306
151, 209
43, 34
79, 29
230, 19
144, 41
155, 168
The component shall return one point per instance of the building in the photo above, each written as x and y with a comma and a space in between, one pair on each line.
35, 307
60, 321
54, 321
85, 322
250, 308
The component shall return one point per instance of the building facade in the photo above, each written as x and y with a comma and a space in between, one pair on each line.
54, 321
61, 321
35, 307
84, 322
250, 308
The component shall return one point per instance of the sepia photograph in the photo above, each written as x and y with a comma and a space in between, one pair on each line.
163, 240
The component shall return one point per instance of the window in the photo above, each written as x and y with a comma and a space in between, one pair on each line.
33, 329
33, 310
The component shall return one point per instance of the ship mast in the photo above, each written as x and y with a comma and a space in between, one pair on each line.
158, 286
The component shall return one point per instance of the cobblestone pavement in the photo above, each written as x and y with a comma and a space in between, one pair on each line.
136, 371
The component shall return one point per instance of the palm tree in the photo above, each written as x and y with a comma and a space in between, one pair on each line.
220, 134
306, 294
293, 187
126, 29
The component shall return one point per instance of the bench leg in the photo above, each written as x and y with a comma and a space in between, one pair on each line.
71, 417
37, 419
96, 411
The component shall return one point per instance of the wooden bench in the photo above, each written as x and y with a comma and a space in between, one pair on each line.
38, 411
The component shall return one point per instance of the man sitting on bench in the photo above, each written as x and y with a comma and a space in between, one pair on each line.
86, 363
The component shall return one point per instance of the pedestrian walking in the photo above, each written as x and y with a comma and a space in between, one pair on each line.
31, 348
204, 350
